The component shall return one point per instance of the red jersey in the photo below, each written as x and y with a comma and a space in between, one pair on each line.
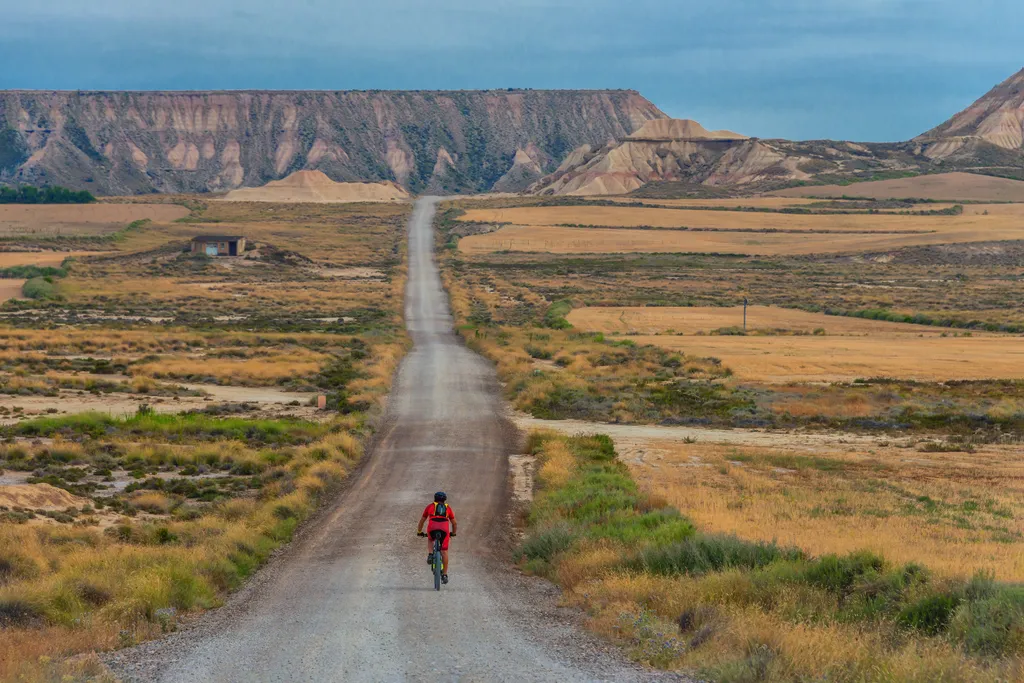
436, 516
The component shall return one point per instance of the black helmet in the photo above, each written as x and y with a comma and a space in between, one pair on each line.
440, 497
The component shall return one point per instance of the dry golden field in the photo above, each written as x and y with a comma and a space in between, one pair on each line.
42, 258
956, 513
80, 220
941, 186
650, 230
759, 202
171, 398
650, 320
559, 240
10, 288
649, 217
785, 345
844, 359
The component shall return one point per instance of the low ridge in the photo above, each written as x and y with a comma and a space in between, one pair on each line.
316, 187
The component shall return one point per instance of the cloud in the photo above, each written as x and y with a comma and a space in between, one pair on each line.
867, 69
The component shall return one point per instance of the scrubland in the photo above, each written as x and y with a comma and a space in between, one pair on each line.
173, 508
680, 594
891, 554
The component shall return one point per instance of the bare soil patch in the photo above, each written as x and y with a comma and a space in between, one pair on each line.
38, 497
965, 186
10, 288
42, 258
80, 220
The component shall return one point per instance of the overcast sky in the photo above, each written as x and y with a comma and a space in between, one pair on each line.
872, 70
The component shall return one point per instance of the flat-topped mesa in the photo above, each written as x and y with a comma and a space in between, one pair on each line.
667, 130
425, 141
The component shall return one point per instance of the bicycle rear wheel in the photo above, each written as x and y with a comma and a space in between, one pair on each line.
437, 567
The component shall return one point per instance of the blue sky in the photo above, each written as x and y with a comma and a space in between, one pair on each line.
872, 70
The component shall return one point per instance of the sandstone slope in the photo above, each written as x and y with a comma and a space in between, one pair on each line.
683, 150
995, 120
443, 141
315, 187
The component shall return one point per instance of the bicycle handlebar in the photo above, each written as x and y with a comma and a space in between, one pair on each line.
420, 533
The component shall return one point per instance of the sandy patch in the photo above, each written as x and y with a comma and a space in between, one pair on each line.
353, 273
42, 258
316, 187
628, 437
10, 289
966, 186
522, 468
39, 497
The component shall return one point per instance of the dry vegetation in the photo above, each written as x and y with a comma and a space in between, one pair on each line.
962, 186
785, 345
762, 228
958, 512
849, 563
52, 221
175, 506
679, 595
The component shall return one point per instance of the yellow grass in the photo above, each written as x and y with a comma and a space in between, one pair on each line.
845, 499
731, 203
42, 258
256, 371
965, 186
558, 240
50, 220
851, 348
632, 217
831, 359
649, 320
790, 651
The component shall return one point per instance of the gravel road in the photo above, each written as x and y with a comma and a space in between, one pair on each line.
352, 599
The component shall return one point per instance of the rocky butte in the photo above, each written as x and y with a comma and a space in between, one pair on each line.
453, 141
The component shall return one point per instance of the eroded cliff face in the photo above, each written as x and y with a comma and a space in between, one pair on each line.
994, 121
459, 141
683, 150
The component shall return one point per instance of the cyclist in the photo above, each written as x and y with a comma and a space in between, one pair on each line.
439, 513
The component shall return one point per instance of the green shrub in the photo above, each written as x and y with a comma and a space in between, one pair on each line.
992, 625
545, 544
554, 317
930, 614
838, 574
27, 194
39, 288
710, 553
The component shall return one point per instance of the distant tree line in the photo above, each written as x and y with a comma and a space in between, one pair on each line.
26, 194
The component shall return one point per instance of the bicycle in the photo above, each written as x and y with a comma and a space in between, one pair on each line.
436, 563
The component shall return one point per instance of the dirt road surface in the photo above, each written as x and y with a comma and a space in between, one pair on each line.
352, 600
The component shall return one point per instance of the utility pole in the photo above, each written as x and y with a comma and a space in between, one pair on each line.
744, 314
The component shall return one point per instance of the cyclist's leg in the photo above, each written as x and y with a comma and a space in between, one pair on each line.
444, 551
